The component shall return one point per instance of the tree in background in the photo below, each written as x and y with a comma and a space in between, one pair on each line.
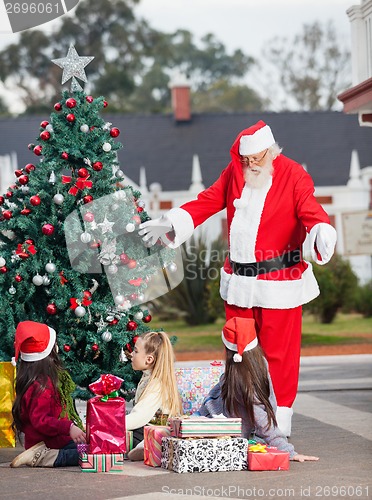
133, 63
70, 255
312, 67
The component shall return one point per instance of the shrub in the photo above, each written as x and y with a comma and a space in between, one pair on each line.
338, 287
364, 300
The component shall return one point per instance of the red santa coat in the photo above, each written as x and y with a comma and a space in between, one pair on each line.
262, 224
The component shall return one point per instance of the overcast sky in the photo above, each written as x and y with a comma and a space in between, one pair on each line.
239, 24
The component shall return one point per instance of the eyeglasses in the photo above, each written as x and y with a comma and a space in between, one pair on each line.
246, 160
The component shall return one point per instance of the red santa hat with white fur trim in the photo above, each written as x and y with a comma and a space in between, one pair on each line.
33, 340
256, 138
239, 334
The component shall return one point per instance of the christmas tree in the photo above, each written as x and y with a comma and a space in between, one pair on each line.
70, 255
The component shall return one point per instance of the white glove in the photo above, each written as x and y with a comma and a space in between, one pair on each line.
323, 238
154, 229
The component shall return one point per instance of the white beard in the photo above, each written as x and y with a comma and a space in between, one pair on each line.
257, 177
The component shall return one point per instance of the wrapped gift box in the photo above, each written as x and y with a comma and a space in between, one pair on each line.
153, 435
7, 395
186, 426
262, 457
128, 442
204, 455
106, 417
101, 462
195, 383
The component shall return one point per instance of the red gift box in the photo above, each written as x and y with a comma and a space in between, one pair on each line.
106, 417
266, 458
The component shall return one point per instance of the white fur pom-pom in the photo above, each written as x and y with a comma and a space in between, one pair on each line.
13, 361
237, 358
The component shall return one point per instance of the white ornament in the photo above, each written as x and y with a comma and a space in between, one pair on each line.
80, 311
49, 128
110, 318
37, 280
119, 299
50, 267
84, 128
119, 174
122, 356
85, 237
141, 204
114, 206
87, 162
52, 178
106, 336
130, 227
141, 297
172, 267
2, 261
46, 280
112, 269
107, 126
120, 195
125, 306
58, 199
12, 290
25, 189
106, 225
106, 146
138, 315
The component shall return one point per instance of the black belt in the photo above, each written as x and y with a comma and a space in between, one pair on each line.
267, 266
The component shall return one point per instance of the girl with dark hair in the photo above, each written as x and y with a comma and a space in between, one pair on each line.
245, 389
43, 409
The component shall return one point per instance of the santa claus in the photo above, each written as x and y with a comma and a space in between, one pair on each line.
270, 206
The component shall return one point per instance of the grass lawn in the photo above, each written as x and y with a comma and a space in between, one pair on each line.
346, 329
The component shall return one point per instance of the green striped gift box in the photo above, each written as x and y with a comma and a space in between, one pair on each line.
185, 427
101, 462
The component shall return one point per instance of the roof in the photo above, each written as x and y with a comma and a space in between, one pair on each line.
321, 140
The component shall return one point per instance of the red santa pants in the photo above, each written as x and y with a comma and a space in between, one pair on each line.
279, 334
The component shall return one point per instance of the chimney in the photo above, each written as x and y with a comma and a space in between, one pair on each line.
180, 89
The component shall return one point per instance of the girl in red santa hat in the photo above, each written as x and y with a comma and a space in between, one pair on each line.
43, 409
245, 389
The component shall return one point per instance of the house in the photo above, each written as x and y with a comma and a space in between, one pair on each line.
170, 158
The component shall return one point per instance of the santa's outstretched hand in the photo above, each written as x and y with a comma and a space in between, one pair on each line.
155, 229
323, 238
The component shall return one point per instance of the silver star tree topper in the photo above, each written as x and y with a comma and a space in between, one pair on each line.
73, 66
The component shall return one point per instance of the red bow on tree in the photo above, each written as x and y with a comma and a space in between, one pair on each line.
80, 184
23, 248
84, 302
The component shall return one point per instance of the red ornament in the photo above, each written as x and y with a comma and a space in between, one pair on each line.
114, 322
58, 106
7, 214
18, 173
44, 124
2, 199
9, 194
25, 211
29, 241
70, 117
67, 348
97, 166
23, 179
38, 150
47, 229
64, 155
147, 319
83, 172
71, 103
124, 259
95, 347
51, 309
131, 325
29, 167
105, 104
96, 244
133, 297
35, 200
89, 98
87, 295
87, 198
129, 347
3, 269
132, 263
88, 217
139, 209
135, 338
44, 136
114, 132
18, 278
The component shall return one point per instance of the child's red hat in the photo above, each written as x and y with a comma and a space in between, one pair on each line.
239, 334
33, 340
